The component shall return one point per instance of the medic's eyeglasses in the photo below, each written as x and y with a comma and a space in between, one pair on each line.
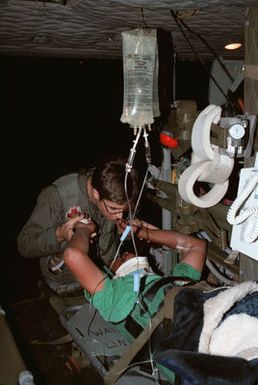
112, 210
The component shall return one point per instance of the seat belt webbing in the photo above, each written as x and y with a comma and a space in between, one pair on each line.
167, 311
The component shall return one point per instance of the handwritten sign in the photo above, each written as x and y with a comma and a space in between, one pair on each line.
94, 334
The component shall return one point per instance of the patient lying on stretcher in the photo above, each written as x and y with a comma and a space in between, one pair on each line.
132, 290
192, 349
122, 294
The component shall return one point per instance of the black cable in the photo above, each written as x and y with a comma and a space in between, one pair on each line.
178, 20
209, 47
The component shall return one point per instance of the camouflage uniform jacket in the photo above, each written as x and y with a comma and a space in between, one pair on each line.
55, 204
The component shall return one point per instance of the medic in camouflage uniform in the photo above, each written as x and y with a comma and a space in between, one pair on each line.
98, 193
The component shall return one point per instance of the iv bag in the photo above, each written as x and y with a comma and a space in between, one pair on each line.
140, 68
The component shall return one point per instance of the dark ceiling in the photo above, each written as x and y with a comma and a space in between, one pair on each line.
92, 29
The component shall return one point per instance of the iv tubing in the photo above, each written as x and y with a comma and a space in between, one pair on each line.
130, 160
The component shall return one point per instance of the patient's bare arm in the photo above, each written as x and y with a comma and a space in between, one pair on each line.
192, 249
78, 261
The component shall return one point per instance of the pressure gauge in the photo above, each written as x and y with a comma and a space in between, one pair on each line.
237, 131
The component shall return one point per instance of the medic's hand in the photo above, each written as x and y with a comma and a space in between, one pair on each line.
64, 232
144, 225
121, 225
136, 224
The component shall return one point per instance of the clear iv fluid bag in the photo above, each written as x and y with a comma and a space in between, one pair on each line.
140, 68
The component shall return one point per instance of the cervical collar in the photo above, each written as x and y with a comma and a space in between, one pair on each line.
133, 264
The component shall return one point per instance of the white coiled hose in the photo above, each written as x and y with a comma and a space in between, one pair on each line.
249, 213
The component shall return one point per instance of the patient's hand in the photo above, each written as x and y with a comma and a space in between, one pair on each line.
90, 226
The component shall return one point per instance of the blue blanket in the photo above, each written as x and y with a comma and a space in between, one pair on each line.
214, 338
